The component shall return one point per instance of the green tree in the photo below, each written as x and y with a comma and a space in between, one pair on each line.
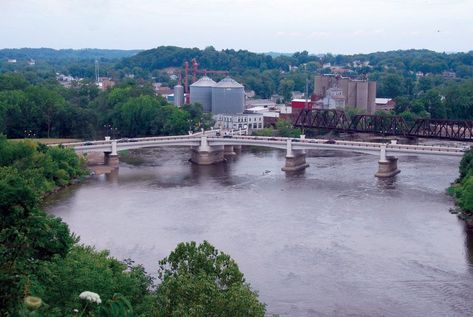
286, 87
27, 237
285, 129
198, 280
391, 86
85, 268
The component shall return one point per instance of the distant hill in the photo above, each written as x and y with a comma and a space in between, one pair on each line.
172, 56
48, 54
237, 62
276, 54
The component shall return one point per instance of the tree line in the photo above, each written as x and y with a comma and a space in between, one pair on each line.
131, 109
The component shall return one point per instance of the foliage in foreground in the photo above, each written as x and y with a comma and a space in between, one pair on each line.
38, 254
198, 280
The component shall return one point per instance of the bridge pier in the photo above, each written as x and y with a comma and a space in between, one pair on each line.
229, 150
111, 158
387, 165
205, 154
237, 149
295, 159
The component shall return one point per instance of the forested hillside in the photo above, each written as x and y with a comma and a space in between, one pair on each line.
423, 83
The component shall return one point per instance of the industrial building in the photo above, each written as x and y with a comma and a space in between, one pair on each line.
179, 95
201, 92
359, 94
228, 96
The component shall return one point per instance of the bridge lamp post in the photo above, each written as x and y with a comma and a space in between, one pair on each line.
110, 130
29, 134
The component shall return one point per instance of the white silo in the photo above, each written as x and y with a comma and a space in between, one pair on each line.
228, 96
201, 92
178, 95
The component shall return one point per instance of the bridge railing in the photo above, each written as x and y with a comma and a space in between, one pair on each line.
360, 144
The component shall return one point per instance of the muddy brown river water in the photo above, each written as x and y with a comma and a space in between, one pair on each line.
333, 241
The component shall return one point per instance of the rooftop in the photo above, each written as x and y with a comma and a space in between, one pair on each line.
204, 82
228, 82
382, 101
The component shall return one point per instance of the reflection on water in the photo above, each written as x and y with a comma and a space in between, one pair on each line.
331, 241
469, 245
387, 183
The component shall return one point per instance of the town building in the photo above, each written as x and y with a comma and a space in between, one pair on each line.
265, 103
66, 80
105, 82
385, 104
161, 90
449, 75
300, 104
250, 121
250, 93
277, 98
297, 95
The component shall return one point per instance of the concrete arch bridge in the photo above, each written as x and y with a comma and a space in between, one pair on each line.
211, 149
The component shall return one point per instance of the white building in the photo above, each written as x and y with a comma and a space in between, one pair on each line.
334, 98
250, 121
266, 103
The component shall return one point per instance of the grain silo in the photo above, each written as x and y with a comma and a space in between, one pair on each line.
351, 95
201, 92
228, 96
178, 95
362, 95
371, 97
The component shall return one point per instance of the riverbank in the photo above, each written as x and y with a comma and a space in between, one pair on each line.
462, 190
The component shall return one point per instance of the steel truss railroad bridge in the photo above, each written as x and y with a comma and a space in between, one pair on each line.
337, 120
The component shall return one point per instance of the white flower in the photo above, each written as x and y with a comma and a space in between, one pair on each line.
91, 297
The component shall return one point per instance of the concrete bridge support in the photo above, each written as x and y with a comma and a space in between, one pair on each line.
111, 158
229, 150
295, 159
207, 155
387, 165
237, 149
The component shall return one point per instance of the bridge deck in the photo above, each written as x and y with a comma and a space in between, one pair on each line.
272, 142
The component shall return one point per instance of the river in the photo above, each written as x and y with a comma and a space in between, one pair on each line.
332, 241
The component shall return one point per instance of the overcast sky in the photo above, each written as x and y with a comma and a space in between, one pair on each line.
342, 26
